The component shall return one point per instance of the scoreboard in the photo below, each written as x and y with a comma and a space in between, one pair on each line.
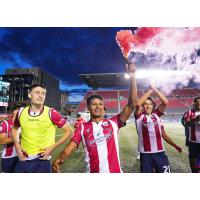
4, 93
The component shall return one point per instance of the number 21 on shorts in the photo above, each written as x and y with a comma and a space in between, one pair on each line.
166, 169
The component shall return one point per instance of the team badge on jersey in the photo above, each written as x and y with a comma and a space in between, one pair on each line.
105, 123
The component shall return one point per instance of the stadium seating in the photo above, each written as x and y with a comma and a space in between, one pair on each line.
179, 99
197, 91
82, 107
108, 94
186, 92
124, 94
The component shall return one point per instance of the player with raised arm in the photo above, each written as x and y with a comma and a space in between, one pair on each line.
148, 125
99, 136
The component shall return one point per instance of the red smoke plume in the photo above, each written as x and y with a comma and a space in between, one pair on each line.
127, 40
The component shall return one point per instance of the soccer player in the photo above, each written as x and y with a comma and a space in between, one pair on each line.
192, 123
38, 125
148, 124
9, 156
186, 129
99, 135
79, 121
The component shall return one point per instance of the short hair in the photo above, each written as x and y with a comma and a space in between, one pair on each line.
36, 85
94, 96
195, 99
78, 115
10, 109
16, 106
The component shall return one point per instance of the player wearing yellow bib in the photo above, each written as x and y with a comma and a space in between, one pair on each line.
38, 126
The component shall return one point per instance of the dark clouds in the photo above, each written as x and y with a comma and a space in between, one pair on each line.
63, 52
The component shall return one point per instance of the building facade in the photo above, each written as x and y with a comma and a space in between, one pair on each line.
21, 79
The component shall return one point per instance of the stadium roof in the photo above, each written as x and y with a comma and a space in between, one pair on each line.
114, 81
105, 80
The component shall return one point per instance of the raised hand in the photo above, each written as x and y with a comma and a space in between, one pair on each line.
131, 68
153, 86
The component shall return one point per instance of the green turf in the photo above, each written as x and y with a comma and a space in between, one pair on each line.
128, 146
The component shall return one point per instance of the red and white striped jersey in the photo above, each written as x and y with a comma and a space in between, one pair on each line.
9, 150
78, 122
149, 132
100, 141
194, 130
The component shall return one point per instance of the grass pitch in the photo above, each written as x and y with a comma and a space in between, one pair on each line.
128, 142
128, 150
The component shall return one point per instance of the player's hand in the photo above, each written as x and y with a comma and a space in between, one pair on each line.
179, 149
22, 155
153, 86
131, 68
45, 153
56, 165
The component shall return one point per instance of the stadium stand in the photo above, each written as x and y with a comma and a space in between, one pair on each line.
186, 92
108, 94
179, 99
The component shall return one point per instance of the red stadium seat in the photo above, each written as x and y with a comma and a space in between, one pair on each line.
179, 99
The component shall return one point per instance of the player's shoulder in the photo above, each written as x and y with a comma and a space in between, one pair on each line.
21, 109
157, 112
114, 117
86, 124
3, 123
190, 111
52, 111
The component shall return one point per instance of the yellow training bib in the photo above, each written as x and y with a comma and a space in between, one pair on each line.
37, 132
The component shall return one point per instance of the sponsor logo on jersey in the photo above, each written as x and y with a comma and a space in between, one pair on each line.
33, 119
99, 138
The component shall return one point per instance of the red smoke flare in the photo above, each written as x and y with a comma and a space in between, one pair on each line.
127, 40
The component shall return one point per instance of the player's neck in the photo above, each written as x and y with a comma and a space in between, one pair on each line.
96, 119
36, 108
149, 114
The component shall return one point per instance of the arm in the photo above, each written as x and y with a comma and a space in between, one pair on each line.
4, 139
164, 100
20, 152
3, 133
47, 151
63, 156
141, 101
132, 100
169, 141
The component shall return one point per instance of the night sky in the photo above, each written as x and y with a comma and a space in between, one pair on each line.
62, 52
